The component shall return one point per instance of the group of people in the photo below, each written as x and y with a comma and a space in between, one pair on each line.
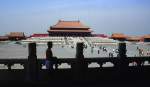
103, 48
140, 51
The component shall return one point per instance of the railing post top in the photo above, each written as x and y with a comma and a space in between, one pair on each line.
50, 44
80, 46
32, 49
32, 46
80, 43
122, 43
32, 43
79, 50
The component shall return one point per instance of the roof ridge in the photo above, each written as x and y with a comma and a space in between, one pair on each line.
69, 21
69, 24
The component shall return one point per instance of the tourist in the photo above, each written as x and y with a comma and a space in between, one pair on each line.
141, 53
137, 48
90, 45
117, 51
111, 54
49, 57
85, 46
148, 52
113, 50
72, 46
100, 47
104, 49
98, 52
92, 49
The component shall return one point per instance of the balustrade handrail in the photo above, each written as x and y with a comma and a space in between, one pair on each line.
70, 60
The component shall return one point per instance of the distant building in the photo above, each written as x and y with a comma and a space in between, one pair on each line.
16, 36
69, 28
4, 38
100, 35
39, 35
146, 38
134, 38
118, 36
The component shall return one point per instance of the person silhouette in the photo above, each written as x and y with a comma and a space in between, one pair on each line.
49, 57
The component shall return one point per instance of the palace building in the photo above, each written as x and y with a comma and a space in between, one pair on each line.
4, 38
146, 38
134, 38
16, 36
69, 28
118, 36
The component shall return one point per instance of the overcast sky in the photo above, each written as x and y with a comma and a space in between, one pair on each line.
131, 17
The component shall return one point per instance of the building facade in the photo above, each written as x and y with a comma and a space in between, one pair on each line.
4, 38
39, 35
69, 28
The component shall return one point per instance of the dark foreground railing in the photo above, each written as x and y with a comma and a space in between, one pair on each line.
33, 70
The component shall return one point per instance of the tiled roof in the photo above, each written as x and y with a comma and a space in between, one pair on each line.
16, 34
118, 35
69, 24
39, 35
3, 37
146, 36
134, 38
69, 31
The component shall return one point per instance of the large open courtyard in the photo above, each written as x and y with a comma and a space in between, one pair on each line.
66, 48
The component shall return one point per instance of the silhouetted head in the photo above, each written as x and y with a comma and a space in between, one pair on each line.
49, 44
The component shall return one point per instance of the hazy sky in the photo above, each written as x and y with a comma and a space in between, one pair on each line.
131, 17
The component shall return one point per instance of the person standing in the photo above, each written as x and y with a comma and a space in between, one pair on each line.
49, 57
98, 51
